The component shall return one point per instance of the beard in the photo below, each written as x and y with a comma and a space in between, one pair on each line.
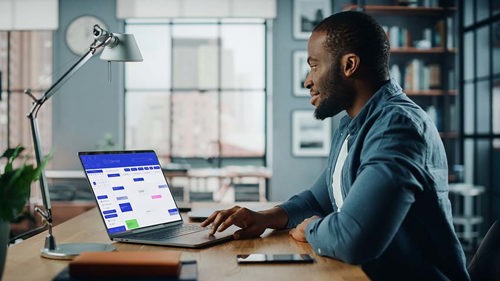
339, 93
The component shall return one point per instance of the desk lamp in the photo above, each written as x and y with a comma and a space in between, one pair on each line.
116, 47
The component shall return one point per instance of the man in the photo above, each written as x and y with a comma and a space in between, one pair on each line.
383, 201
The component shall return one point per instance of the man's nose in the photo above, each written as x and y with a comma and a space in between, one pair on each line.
308, 83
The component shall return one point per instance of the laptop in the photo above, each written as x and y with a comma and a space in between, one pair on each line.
136, 204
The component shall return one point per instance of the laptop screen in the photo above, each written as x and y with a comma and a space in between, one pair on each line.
130, 189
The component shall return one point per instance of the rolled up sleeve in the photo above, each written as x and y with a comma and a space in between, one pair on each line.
312, 202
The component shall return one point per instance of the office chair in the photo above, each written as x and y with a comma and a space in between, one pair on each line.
485, 264
201, 196
246, 192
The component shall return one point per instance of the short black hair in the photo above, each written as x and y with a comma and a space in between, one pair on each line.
359, 33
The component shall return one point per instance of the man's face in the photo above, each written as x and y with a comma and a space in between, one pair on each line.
331, 92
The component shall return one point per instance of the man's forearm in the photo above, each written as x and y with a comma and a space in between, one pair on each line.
276, 218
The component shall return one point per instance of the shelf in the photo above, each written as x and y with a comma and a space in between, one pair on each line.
466, 189
430, 92
467, 220
413, 50
403, 10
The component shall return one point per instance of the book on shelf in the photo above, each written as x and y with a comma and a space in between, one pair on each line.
399, 37
395, 73
421, 77
430, 3
408, 3
439, 33
434, 75
450, 36
435, 116
453, 116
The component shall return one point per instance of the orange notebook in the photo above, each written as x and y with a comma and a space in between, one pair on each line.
126, 264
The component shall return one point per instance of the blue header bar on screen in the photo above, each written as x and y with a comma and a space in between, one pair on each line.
117, 160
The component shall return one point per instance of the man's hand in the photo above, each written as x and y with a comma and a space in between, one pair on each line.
299, 232
252, 223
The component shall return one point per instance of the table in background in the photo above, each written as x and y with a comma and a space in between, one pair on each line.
466, 200
214, 263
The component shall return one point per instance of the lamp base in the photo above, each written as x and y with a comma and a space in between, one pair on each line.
71, 250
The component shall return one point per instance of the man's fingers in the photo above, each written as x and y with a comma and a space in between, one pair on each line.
219, 217
240, 218
221, 220
210, 219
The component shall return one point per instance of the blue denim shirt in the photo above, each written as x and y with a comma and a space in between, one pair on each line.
396, 219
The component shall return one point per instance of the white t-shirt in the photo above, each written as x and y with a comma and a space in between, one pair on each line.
337, 175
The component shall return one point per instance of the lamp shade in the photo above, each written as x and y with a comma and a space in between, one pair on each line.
125, 49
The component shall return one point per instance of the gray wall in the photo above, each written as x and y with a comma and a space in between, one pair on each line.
88, 106
290, 174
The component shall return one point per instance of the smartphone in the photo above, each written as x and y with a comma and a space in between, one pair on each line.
274, 258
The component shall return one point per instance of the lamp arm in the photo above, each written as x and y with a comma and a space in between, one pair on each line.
32, 115
52, 90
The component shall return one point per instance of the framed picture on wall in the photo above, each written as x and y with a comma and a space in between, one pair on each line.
307, 14
310, 137
300, 72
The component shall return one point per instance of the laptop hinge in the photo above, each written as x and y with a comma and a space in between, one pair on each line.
148, 228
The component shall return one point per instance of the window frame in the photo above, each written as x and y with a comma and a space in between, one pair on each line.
218, 160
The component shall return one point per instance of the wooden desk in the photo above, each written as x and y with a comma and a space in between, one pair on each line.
214, 263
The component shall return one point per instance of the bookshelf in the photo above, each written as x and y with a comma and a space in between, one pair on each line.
439, 92
399, 9
414, 50
423, 54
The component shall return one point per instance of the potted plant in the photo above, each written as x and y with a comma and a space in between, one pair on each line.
15, 187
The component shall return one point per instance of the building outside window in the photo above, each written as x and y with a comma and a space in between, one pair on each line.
199, 97
25, 62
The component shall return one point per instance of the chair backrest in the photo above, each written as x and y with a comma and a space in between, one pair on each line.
485, 264
201, 196
246, 192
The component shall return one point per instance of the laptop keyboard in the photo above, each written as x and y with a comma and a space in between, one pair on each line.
170, 232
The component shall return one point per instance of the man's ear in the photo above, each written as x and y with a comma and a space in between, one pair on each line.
350, 64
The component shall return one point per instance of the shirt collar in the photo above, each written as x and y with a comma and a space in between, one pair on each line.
385, 92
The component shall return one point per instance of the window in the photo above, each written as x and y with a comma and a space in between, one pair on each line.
200, 94
25, 62
480, 85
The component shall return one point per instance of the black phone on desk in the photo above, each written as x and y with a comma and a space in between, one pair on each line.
274, 258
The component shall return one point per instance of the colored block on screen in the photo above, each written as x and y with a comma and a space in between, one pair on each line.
117, 229
125, 207
131, 224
